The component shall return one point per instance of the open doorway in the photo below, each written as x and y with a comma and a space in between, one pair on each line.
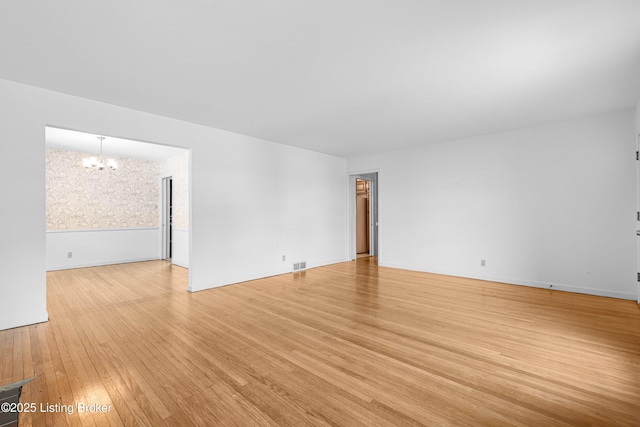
363, 215
137, 210
167, 218
363, 219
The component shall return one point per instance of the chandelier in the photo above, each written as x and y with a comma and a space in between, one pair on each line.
98, 163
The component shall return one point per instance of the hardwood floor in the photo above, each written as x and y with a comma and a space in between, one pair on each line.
348, 344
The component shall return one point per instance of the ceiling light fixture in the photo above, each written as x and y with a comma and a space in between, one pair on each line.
98, 164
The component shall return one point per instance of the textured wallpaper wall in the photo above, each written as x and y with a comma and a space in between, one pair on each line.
178, 168
85, 199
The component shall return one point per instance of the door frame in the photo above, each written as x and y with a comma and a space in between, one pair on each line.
638, 217
166, 226
373, 176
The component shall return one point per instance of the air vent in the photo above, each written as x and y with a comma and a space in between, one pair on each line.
302, 265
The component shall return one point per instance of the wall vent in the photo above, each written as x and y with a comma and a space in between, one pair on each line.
302, 265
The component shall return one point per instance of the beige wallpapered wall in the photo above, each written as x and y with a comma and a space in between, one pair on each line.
80, 199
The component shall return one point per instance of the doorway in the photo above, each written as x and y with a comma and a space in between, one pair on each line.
363, 212
119, 213
363, 215
167, 218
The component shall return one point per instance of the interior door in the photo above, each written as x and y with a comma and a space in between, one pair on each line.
362, 224
373, 217
363, 184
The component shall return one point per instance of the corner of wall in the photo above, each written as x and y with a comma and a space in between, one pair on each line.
24, 320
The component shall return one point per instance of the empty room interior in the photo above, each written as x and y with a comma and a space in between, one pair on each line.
320, 213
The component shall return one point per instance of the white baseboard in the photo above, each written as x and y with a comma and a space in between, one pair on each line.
180, 264
99, 264
30, 319
521, 282
323, 263
245, 278
234, 280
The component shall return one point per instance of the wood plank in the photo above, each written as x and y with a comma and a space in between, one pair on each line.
345, 344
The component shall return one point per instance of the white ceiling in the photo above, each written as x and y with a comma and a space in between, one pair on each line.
63, 139
338, 76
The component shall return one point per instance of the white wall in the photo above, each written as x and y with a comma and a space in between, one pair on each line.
180, 249
22, 214
100, 247
177, 167
264, 201
251, 200
547, 206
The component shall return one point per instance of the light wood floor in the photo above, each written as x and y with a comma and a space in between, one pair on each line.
348, 344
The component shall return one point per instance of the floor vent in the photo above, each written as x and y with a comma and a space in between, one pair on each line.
302, 265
